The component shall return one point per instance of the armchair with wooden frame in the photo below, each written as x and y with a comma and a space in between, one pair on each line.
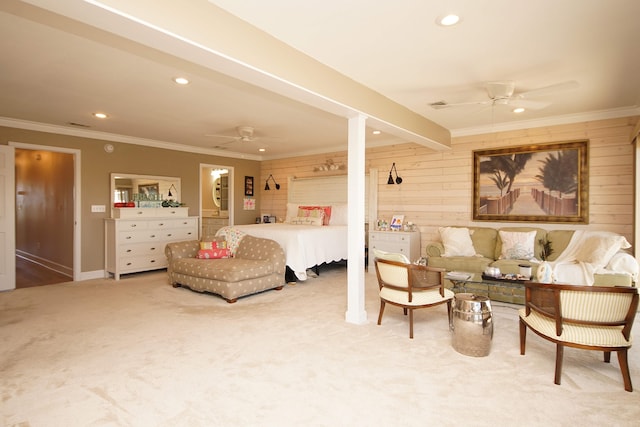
586, 317
410, 287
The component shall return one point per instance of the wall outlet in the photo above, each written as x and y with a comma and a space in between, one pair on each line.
98, 208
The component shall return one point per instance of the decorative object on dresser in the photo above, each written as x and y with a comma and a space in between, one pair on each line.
135, 237
402, 242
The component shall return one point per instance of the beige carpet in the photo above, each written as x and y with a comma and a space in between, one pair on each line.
140, 353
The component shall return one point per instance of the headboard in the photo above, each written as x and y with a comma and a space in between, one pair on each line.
331, 190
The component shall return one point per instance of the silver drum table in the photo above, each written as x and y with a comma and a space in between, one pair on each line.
471, 324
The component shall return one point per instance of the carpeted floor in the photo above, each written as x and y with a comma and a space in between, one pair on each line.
138, 352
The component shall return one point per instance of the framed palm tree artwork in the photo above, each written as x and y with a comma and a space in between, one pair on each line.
542, 182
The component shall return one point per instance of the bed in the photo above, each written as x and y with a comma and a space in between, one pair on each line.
308, 246
305, 246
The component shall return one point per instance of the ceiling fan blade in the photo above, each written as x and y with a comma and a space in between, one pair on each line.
442, 104
529, 104
559, 87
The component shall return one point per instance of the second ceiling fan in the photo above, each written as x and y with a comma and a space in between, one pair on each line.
503, 93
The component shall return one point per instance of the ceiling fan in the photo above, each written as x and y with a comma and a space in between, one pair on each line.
244, 134
503, 93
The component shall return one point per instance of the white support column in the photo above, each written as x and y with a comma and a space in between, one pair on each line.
356, 197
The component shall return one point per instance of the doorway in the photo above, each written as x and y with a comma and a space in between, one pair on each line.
44, 216
216, 198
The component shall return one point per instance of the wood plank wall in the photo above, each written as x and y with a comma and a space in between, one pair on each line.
437, 187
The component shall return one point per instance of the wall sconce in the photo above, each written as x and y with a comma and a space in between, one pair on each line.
266, 184
398, 179
170, 194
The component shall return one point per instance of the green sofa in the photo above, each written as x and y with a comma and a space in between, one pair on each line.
487, 244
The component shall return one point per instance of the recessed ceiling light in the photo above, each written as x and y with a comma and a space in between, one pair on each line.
448, 20
518, 110
100, 115
262, 150
181, 80
376, 132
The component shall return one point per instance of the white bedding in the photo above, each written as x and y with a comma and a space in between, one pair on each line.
304, 246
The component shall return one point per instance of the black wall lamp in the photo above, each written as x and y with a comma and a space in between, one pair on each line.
398, 179
266, 184
170, 193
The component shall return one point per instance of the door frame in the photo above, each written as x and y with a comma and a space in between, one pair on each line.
77, 212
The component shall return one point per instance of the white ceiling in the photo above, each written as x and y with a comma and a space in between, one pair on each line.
57, 69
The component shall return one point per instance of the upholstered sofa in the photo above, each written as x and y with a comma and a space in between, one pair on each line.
257, 265
574, 257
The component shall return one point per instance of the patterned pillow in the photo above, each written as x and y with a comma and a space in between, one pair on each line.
517, 245
213, 253
302, 211
307, 220
213, 245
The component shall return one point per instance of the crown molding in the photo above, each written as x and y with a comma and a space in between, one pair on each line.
105, 136
550, 121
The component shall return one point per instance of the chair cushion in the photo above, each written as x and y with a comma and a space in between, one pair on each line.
601, 336
420, 298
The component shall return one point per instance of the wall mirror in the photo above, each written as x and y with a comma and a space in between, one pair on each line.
144, 190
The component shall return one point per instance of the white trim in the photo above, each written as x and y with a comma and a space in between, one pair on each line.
77, 198
550, 121
105, 136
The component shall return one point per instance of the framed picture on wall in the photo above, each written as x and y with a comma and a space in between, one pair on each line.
532, 183
248, 186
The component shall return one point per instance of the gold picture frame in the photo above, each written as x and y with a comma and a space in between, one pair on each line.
532, 183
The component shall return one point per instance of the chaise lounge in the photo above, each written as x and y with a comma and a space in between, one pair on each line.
257, 265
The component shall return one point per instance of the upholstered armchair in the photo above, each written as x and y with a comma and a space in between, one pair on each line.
587, 317
411, 287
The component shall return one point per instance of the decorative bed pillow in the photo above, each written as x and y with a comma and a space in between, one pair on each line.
339, 214
598, 250
292, 211
307, 220
325, 209
517, 244
213, 253
457, 241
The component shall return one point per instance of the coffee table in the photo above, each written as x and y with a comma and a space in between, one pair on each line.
505, 289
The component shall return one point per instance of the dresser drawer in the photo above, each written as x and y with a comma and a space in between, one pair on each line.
142, 263
136, 249
178, 234
137, 236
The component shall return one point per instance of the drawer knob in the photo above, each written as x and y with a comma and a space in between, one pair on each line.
128, 250
153, 236
128, 237
133, 225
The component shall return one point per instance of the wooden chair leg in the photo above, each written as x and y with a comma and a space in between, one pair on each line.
523, 336
381, 311
559, 355
404, 310
410, 323
624, 368
607, 357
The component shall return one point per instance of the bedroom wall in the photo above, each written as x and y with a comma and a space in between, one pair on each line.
96, 166
437, 187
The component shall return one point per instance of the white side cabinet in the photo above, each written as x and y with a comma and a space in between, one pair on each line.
136, 238
403, 242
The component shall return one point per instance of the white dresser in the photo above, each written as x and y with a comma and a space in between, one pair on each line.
403, 242
135, 238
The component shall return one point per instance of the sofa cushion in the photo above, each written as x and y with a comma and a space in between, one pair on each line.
484, 241
461, 263
225, 270
456, 241
559, 240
